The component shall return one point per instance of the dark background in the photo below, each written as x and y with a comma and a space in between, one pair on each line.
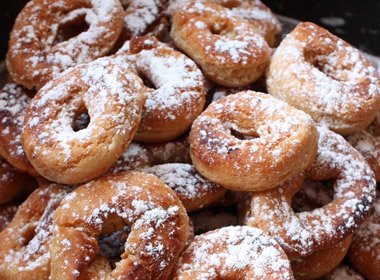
358, 22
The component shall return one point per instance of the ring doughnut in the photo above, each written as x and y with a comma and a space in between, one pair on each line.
343, 272
303, 233
25, 249
254, 11
229, 49
178, 93
114, 100
367, 142
158, 222
14, 101
233, 253
194, 191
142, 16
273, 142
327, 78
365, 249
34, 59
13, 183
320, 262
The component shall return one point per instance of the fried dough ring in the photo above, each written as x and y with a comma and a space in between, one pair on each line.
14, 101
229, 50
367, 142
254, 11
365, 249
158, 221
343, 272
194, 191
33, 59
233, 253
327, 78
178, 96
301, 234
141, 17
114, 99
286, 146
320, 262
25, 249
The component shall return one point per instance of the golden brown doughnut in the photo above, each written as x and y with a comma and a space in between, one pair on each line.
250, 141
142, 17
254, 11
113, 97
25, 249
33, 57
13, 183
157, 219
230, 50
300, 234
364, 254
327, 78
233, 253
194, 191
14, 101
320, 262
177, 95
367, 142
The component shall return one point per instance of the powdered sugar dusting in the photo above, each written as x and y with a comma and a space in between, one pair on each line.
354, 191
244, 251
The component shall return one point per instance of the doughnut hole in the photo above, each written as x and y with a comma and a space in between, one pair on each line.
71, 27
147, 82
247, 135
81, 121
112, 242
312, 195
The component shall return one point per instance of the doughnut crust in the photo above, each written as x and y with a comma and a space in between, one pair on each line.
34, 57
273, 142
230, 50
14, 100
178, 93
365, 249
157, 219
302, 233
233, 253
327, 78
113, 97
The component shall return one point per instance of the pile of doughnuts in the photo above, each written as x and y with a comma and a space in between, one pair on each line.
183, 139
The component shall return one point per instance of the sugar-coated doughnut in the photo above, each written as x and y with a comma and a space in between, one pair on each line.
229, 49
113, 97
14, 100
364, 254
327, 78
302, 233
34, 57
252, 10
320, 262
177, 95
367, 142
25, 249
194, 191
157, 219
343, 272
250, 141
7, 212
233, 253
